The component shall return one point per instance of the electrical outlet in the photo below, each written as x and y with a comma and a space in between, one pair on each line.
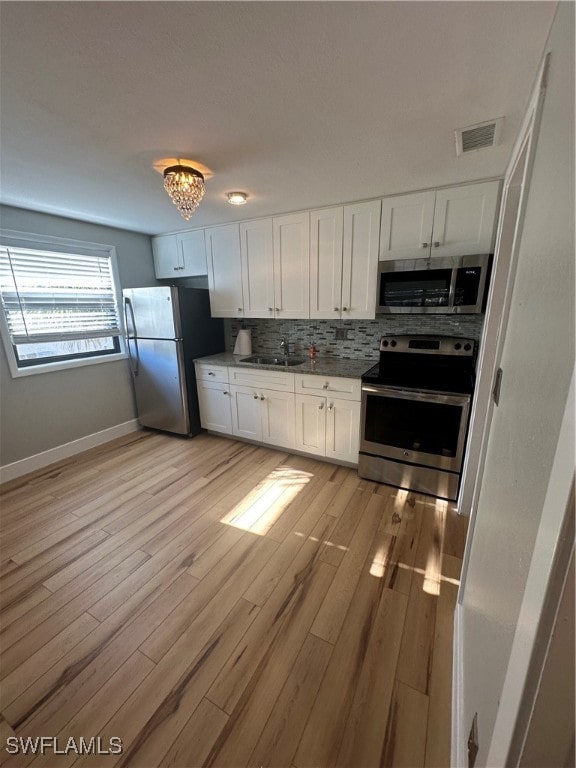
473, 741
341, 334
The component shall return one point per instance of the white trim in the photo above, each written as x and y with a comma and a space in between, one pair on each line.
60, 452
556, 506
33, 241
457, 758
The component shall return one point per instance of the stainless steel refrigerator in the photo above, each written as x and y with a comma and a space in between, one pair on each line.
166, 328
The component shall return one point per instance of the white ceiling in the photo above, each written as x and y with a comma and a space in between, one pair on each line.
300, 104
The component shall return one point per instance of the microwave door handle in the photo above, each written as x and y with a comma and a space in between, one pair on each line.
453, 278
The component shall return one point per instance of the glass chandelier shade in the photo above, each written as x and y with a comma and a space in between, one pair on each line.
185, 185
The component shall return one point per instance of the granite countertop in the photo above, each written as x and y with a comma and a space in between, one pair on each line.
327, 366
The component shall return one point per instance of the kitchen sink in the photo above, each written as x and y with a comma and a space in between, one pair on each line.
271, 360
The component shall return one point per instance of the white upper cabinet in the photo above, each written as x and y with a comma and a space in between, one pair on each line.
181, 255
291, 248
406, 229
224, 271
360, 260
464, 219
458, 221
343, 261
256, 250
326, 227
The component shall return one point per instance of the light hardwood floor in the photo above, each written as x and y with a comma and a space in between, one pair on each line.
215, 603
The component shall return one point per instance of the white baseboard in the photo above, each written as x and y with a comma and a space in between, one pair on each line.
40, 460
457, 759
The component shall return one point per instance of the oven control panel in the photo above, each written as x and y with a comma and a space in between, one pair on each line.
428, 345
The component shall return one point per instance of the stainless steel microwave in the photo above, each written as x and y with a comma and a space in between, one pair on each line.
443, 285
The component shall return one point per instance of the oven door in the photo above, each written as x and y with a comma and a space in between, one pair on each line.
416, 427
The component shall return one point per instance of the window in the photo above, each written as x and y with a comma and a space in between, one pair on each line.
60, 304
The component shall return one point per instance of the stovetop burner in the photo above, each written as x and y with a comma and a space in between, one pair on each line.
442, 364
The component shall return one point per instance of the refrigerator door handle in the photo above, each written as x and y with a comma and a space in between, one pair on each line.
134, 362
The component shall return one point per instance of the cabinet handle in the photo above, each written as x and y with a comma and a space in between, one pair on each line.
436, 244
255, 396
321, 407
239, 309
270, 309
326, 385
344, 309
225, 392
176, 268
425, 245
211, 373
262, 397
336, 309
331, 406
277, 309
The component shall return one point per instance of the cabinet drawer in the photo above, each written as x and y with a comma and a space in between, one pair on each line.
281, 381
346, 389
211, 372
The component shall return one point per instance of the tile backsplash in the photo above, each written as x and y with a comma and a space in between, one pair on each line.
363, 336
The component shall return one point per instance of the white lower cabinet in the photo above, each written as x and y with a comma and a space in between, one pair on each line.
214, 399
328, 427
264, 415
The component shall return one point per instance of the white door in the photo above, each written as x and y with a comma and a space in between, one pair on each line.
292, 266
224, 271
246, 413
406, 230
214, 401
464, 219
257, 267
192, 253
311, 424
326, 228
277, 414
167, 259
360, 260
343, 430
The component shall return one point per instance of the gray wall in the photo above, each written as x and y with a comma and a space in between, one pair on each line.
537, 361
46, 410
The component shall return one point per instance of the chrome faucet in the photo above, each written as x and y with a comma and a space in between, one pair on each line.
285, 345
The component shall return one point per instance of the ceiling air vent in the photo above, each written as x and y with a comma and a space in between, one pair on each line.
479, 136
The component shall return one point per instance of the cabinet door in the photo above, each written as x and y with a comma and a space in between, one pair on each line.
464, 219
343, 430
192, 253
406, 230
246, 413
360, 260
291, 266
277, 414
311, 424
257, 268
214, 400
167, 258
224, 271
326, 263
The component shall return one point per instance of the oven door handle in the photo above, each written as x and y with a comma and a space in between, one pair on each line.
412, 394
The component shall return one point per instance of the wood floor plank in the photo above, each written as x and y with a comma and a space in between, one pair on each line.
168, 588
155, 714
405, 740
192, 745
281, 735
251, 705
94, 715
277, 616
44, 707
440, 694
332, 613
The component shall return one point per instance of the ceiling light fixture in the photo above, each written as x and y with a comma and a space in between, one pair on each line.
185, 185
237, 198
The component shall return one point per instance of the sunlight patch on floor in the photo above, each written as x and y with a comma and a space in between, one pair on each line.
325, 542
265, 503
433, 572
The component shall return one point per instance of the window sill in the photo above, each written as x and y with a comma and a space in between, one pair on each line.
64, 365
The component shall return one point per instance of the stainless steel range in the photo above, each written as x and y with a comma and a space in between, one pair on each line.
415, 408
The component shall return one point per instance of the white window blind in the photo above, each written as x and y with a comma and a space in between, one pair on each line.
55, 296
